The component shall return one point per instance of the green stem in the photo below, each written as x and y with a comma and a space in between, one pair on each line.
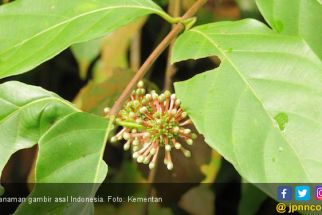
188, 23
128, 124
170, 19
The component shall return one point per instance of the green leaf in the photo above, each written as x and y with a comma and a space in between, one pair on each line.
33, 31
71, 144
70, 157
81, 138
262, 74
296, 17
85, 53
26, 113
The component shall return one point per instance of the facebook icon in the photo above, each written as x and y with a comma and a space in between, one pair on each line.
284, 193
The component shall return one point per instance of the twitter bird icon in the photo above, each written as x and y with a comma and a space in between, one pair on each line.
302, 193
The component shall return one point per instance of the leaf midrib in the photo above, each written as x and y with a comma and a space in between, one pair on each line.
75, 18
226, 57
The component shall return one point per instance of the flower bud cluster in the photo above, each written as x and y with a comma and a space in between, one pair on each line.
153, 122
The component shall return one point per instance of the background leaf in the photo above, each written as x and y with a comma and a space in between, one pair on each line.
1, 190
296, 17
94, 97
85, 53
251, 199
113, 48
262, 74
116, 46
56, 26
199, 200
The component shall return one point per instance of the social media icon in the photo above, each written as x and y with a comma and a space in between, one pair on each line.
302, 193
284, 193
318, 192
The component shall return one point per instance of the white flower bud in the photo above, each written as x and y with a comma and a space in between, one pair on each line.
138, 120
187, 153
167, 93
140, 159
184, 114
126, 146
170, 166
134, 131
176, 129
140, 84
161, 97
154, 96
178, 102
107, 110
135, 155
146, 160
148, 97
152, 151
151, 165
143, 110
146, 135
177, 145
135, 148
126, 136
135, 142
189, 141
187, 131
132, 115
168, 147
173, 112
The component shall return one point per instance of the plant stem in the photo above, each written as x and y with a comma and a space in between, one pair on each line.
174, 10
128, 124
178, 28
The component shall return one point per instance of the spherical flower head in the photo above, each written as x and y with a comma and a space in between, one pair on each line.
151, 123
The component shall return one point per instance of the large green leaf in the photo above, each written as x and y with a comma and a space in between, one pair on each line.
26, 113
295, 17
70, 157
262, 108
76, 144
71, 144
33, 31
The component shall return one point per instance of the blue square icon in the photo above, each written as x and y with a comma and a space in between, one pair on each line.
302, 193
284, 193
